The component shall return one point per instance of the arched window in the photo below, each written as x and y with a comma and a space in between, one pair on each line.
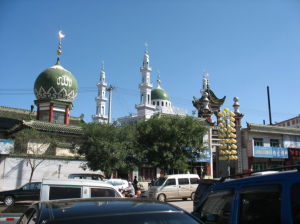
148, 98
157, 103
102, 110
142, 98
162, 103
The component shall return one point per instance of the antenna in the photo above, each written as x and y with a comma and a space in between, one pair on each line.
269, 105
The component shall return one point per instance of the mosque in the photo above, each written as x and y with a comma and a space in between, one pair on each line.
152, 100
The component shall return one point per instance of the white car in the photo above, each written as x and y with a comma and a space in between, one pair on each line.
120, 184
52, 189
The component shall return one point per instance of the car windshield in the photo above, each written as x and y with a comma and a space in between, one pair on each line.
159, 181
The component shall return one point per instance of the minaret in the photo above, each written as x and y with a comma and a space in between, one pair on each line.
101, 99
145, 108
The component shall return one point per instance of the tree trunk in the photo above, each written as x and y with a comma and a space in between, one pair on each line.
31, 174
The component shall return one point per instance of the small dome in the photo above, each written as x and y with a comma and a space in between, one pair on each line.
159, 94
56, 83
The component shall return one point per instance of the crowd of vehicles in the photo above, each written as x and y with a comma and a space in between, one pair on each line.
258, 197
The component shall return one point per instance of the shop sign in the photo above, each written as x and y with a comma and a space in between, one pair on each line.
6, 146
270, 152
204, 156
294, 154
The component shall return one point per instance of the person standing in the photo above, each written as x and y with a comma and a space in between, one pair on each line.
135, 184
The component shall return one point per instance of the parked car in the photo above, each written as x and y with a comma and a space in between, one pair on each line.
177, 186
52, 189
265, 198
28, 192
103, 210
120, 184
202, 190
88, 176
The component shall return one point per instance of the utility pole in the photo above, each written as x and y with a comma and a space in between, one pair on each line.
109, 89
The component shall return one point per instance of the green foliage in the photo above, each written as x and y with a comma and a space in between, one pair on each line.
169, 141
109, 147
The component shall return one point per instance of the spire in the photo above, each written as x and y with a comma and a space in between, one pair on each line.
236, 105
59, 52
205, 85
158, 79
146, 61
102, 72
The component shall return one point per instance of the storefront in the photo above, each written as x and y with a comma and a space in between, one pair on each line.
268, 157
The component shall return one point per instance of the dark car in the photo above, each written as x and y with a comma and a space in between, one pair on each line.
202, 190
28, 192
105, 210
264, 198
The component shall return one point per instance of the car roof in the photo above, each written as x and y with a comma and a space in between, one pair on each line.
104, 207
279, 177
76, 182
182, 175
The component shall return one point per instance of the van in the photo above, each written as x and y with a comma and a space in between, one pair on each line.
265, 197
177, 186
52, 189
88, 176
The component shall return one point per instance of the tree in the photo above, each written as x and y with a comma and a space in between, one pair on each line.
170, 141
109, 147
35, 146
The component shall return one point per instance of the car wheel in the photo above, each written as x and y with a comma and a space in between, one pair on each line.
9, 200
161, 198
193, 196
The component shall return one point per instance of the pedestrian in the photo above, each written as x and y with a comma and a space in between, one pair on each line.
135, 184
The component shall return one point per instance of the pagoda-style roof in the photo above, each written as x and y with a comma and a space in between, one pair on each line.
272, 129
48, 127
215, 103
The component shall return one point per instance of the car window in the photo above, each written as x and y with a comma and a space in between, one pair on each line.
170, 182
260, 204
217, 207
295, 196
183, 181
26, 187
103, 192
194, 180
64, 192
27, 216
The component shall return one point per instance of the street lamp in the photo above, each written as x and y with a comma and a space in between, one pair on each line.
227, 148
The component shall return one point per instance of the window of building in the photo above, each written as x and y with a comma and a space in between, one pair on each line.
274, 142
162, 103
44, 115
157, 103
288, 123
258, 142
153, 103
58, 117
293, 121
260, 204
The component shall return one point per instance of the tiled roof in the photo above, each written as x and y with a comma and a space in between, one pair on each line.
23, 114
273, 129
53, 127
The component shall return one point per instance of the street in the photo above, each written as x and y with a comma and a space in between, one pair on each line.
186, 205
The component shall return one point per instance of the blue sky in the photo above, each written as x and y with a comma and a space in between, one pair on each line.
244, 45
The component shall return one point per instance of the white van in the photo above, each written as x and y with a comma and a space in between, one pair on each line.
52, 189
177, 186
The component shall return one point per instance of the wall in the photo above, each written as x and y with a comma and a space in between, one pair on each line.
15, 171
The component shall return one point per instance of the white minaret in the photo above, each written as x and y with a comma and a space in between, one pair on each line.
101, 99
145, 108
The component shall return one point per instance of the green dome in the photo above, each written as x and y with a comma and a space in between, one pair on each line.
159, 94
56, 83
